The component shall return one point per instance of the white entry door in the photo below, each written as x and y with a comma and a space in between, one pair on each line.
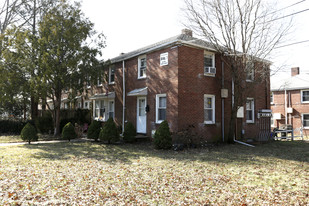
141, 115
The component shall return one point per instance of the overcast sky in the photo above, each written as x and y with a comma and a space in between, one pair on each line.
131, 24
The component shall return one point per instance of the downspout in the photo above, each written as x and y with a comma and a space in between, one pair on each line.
222, 103
285, 107
123, 97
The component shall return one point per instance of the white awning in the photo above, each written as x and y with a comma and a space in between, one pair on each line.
108, 95
138, 92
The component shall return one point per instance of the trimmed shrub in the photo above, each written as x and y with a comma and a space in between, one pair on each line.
129, 133
94, 130
162, 136
109, 133
28, 133
45, 123
68, 132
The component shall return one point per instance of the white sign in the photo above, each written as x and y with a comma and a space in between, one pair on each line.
164, 59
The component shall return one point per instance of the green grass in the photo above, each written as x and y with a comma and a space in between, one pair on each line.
90, 173
17, 138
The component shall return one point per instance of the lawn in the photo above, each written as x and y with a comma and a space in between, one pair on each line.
17, 138
91, 173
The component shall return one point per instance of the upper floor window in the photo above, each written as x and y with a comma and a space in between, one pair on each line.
160, 108
250, 71
209, 109
142, 67
164, 59
271, 97
209, 64
111, 75
305, 96
250, 110
88, 82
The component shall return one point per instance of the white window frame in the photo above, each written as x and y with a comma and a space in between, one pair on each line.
110, 75
272, 121
97, 110
111, 109
250, 71
158, 96
302, 119
301, 96
140, 58
99, 81
213, 103
88, 83
252, 110
213, 57
272, 97
88, 104
164, 59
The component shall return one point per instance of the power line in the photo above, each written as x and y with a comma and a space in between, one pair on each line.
289, 6
300, 42
289, 15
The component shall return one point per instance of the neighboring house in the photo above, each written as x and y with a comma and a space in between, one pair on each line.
290, 101
178, 80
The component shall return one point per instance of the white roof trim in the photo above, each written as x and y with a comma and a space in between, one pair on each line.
108, 95
138, 92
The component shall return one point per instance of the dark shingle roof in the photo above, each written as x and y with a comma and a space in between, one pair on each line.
180, 39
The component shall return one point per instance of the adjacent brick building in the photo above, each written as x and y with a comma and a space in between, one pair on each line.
179, 80
290, 102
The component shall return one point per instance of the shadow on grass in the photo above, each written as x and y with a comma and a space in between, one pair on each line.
261, 154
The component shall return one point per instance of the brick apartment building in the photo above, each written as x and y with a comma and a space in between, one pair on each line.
179, 80
290, 102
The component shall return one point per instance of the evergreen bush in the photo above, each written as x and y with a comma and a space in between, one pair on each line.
28, 133
94, 130
68, 132
109, 133
162, 136
129, 133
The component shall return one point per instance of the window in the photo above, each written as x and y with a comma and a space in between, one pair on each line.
142, 67
99, 110
250, 71
111, 75
305, 120
271, 98
164, 59
160, 108
86, 105
305, 96
88, 83
209, 64
250, 110
111, 109
209, 109
99, 81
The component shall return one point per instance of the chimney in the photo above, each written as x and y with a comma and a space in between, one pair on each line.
187, 32
294, 71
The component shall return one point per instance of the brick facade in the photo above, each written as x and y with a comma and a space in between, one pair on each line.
184, 83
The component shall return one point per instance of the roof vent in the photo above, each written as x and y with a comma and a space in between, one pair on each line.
187, 32
122, 53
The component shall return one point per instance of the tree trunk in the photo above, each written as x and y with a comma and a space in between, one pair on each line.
57, 115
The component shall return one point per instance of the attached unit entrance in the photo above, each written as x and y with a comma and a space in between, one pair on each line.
141, 117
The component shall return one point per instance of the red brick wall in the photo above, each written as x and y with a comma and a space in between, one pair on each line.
293, 99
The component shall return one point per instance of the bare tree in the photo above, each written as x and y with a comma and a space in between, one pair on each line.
244, 32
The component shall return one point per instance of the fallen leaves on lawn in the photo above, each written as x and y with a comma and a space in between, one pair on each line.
88, 174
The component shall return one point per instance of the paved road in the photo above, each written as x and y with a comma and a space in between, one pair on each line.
44, 142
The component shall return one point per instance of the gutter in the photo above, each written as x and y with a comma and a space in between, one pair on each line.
123, 97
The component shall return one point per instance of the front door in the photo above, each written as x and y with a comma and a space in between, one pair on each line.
141, 115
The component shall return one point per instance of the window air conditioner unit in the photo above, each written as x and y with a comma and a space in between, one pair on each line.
210, 70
